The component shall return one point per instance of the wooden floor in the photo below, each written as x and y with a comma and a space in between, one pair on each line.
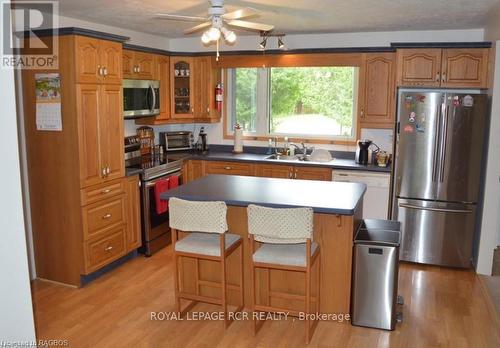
443, 308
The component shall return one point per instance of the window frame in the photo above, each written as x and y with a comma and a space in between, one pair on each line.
228, 119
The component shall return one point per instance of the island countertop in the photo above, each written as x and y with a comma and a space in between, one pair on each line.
323, 196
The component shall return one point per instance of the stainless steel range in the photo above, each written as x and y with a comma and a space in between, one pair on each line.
152, 168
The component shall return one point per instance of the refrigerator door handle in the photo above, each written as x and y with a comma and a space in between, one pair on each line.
443, 210
436, 145
444, 139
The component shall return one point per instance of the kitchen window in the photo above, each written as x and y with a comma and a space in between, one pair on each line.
304, 102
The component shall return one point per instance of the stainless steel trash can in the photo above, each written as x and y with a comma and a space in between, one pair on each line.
375, 274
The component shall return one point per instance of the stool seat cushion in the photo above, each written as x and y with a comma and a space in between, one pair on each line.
204, 243
283, 254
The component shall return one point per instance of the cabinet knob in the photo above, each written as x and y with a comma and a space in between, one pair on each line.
362, 113
437, 77
105, 71
107, 216
105, 191
108, 248
103, 172
227, 168
108, 170
443, 77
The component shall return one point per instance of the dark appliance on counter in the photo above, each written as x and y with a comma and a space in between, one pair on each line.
151, 169
202, 140
141, 98
362, 153
439, 151
176, 141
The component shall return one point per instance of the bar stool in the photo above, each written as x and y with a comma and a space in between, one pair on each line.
206, 226
285, 240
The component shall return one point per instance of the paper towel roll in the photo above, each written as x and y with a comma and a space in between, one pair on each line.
238, 139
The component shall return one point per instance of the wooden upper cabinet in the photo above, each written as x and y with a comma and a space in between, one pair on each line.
201, 82
419, 67
98, 61
110, 59
145, 65
87, 99
128, 64
111, 131
181, 88
465, 67
138, 65
163, 75
87, 59
379, 90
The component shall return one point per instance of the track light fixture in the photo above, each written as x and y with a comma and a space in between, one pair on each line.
265, 35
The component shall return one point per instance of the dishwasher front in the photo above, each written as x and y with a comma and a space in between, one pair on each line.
376, 199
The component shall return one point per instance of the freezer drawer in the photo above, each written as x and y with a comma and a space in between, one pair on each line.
436, 233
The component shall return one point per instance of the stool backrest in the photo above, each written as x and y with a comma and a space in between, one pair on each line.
280, 225
197, 216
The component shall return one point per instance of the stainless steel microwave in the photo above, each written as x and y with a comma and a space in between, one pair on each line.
141, 98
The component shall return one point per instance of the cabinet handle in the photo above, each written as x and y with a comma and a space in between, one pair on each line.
105, 191
99, 70
443, 77
339, 221
192, 110
208, 109
362, 113
107, 216
105, 71
108, 248
437, 77
108, 170
290, 175
295, 175
227, 168
103, 170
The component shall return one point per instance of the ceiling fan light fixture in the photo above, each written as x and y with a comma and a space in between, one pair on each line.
229, 35
205, 38
213, 34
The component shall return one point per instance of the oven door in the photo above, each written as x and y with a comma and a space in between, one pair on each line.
141, 98
155, 226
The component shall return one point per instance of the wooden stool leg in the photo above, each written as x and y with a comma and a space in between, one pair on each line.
308, 289
223, 280
176, 274
242, 299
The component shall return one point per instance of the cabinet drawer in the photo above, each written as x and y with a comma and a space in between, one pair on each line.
99, 252
97, 193
99, 216
230, 168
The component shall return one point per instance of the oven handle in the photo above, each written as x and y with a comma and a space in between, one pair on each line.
151, 183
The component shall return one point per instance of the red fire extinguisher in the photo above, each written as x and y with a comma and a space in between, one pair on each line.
219, 97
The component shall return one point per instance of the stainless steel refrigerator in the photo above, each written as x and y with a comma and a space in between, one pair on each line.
439, 153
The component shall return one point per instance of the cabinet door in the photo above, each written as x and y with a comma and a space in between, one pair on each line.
310, 173
465, 68
274, 171
133, 232
110, 56
145, 65
181, 84
128, 66
202, 86
163, 74
419, 67
87, 60
111, 131
379, 89
87, 106
192, 170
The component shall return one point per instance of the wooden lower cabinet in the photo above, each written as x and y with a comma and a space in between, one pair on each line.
229, 168
313, 173
195, 169
101, 251
133, 233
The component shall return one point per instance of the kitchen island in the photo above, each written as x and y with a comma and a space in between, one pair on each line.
337, 210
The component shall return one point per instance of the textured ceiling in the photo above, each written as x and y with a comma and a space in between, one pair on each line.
291, 16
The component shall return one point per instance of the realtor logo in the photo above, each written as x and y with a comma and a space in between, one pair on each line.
27, 40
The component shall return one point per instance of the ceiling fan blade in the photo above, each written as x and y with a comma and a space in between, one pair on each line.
198, 27
180, 17
251, 25
241, 13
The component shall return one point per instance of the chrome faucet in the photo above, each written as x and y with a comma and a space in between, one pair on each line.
303, 149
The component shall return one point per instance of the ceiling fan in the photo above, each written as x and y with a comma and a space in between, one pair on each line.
216, 19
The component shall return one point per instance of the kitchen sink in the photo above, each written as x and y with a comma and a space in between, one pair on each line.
288, 158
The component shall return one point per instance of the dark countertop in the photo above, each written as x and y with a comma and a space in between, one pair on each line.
323, 196
336, 163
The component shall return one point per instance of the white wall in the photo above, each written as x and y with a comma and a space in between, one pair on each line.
369, 39
16, 319
490, 225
